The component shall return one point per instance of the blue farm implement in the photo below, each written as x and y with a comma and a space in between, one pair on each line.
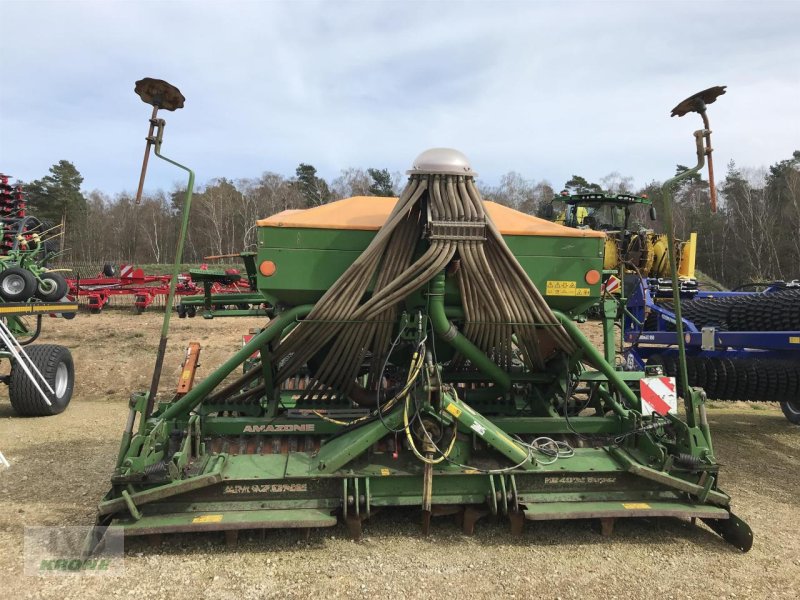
739, 345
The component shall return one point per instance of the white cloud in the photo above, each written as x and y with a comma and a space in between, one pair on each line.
546, 89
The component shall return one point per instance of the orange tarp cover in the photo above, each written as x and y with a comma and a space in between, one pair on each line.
368, 213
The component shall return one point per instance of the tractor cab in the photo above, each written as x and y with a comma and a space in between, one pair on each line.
599, 212
631, 245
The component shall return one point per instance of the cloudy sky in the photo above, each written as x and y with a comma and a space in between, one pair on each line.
543, 88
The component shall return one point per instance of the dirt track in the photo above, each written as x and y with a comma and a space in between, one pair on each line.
60, 468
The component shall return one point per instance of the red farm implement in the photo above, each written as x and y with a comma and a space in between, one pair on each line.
131, 283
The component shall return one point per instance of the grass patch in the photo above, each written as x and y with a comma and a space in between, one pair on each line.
166, 269
706, 282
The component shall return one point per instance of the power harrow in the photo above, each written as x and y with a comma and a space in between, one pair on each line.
421, 352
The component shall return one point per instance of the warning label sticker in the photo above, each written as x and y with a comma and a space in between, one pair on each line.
565, 288
478, 428
635, 505
453, 410
658, 395
207, 519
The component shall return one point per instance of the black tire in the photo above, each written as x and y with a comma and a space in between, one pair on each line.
52, 245
696, 378
701, 376
181, 311
138, 303
711, 378
191, 311
729, 380
17, 284
720, 383
791, 410
657, 359
51, 287
55, 364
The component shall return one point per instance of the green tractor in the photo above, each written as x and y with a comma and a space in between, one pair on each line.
630, 244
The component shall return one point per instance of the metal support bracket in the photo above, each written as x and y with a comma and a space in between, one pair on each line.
708, 338
487, 431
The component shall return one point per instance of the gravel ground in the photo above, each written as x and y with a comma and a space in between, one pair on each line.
60, 468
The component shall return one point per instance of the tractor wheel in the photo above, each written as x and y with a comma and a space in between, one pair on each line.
191, 311
17, 284
139, 304
55, 364
181, 311
791, 410
52, 287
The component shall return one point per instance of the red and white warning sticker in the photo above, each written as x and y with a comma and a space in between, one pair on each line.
246, 338
611, 286
658, 395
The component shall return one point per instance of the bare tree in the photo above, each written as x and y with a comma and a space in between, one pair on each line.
351, 182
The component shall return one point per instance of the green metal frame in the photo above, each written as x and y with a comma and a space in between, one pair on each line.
256, 453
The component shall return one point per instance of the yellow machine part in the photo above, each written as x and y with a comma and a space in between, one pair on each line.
688, 254
611, 255
660, 266
647, 257
641, 243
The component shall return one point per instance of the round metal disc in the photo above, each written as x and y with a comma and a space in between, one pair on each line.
159, 93
443, 161
697, 102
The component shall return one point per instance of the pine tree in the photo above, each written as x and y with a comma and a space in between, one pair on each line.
58, 195
314, 189
579, 185
382, 184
